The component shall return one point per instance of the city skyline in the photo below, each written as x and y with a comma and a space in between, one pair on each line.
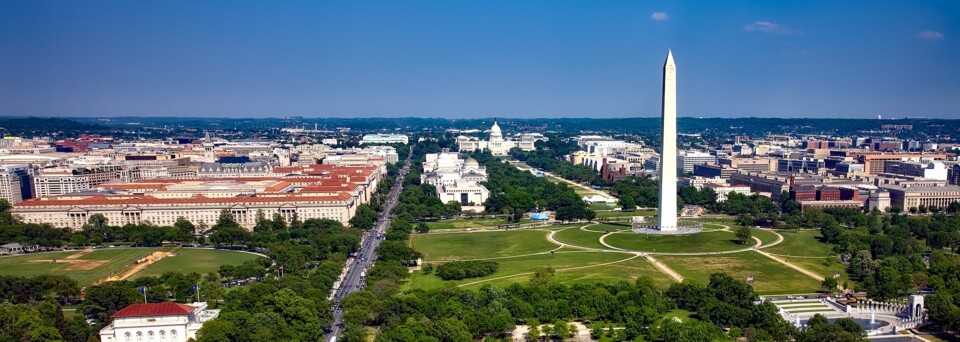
469, 60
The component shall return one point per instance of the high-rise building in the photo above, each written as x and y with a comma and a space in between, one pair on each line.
667, 215
15, 183
687, 160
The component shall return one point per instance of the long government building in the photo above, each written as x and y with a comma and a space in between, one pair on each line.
309, 191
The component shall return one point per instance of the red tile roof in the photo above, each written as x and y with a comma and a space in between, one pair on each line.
198, 199
154, 309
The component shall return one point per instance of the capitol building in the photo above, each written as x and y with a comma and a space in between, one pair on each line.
497, 145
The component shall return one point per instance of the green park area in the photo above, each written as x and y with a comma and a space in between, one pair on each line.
570, 265
587, 236
708, 241
86, 266
804, 248
805, 243
519, 253
605, 214
770, 277
203, 261
480, 245
463, 223
89, 266
603, 206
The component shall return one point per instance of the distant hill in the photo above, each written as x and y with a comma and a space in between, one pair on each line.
46, 126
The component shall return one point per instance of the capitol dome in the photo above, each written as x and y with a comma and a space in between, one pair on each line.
495, 133
471, 162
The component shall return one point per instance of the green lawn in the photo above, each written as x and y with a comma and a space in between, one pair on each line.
627, 270
603, 206
576, 236
478, 245
602, 214
198, 260
90, 267
765, 236
471, 223
823, 266
710, 241
801, 243
770, 277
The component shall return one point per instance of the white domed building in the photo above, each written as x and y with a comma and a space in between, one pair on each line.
456, 179
497, 145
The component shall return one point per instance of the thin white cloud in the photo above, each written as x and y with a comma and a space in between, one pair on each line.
769, 28
659, 16
933, 36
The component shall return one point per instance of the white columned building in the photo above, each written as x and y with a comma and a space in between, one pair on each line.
667, 215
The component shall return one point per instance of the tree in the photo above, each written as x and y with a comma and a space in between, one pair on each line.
185, 228
627, 203
953, 208
743, 235
364, 217
226, 220
829, 284
422, 228
97, 221
278, 223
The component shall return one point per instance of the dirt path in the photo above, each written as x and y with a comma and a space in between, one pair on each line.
664, 268
788, 264
79, 254
147, 261
558, 269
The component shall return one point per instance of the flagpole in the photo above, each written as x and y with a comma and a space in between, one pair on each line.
144, 294
198, 293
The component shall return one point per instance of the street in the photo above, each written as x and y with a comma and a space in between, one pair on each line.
359, 265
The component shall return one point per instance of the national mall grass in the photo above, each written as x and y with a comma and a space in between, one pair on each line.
480, 245
571, 266
471, 223
89, 266
769, 276
203, 261
86, 267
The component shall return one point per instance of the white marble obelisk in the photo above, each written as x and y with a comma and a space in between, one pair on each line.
668, 157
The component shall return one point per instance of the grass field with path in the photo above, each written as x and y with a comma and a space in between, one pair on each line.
603, 206
87, 268
770, 277
765, 236
478, 245
203, 261
802, 243
586, 272
579, 237
471, 223
710, 241
602, 214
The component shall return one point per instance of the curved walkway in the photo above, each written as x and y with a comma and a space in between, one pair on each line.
757, 245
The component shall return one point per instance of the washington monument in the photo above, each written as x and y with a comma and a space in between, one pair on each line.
667, 216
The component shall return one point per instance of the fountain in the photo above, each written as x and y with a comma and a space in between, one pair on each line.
873, 318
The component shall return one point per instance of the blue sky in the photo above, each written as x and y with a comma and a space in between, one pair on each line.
479, 58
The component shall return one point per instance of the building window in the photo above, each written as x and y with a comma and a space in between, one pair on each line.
126, 337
